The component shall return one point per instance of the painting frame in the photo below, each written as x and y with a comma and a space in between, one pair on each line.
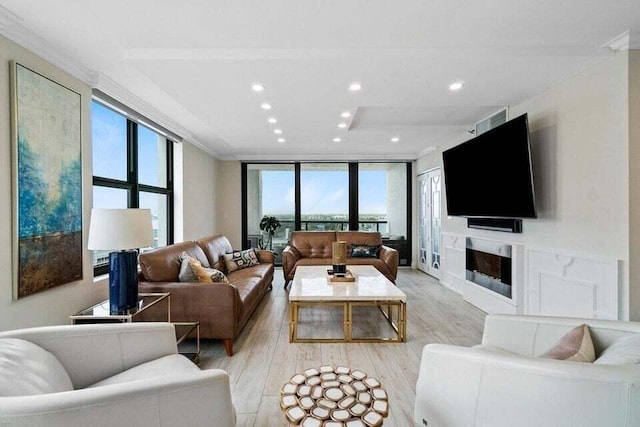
47, 185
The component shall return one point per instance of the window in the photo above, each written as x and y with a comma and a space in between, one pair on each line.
271, 191
132, 168
329, 196
324, 196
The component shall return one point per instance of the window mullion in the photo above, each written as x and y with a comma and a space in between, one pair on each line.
132, 158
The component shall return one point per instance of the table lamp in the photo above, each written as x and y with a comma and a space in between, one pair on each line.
122, 231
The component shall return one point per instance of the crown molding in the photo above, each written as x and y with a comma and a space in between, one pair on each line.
11, 27
628, 40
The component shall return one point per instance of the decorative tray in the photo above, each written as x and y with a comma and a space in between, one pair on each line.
347, 277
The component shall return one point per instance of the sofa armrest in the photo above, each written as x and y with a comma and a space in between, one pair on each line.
91, 353
290, 257
460, 386
197, 399
391, 258
266, 256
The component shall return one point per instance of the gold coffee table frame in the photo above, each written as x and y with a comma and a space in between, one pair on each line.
400, 327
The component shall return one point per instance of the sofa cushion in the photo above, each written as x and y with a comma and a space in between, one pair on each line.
237, 260
576, 345
214, 248
163, 264
249, 289
624, 351
173, 365
28, 369
313, 244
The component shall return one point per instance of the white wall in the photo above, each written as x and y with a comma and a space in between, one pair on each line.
55, 305
229, 201
199, 191
634, 183
579, 143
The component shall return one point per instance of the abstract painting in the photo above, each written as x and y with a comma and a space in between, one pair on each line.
47, 190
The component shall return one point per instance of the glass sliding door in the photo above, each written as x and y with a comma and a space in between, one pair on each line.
324, 196
270, 192
382, 204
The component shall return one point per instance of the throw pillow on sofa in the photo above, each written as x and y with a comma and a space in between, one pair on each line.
364, 251
186, 273
576, 345
191, 270
238, 260
28, 369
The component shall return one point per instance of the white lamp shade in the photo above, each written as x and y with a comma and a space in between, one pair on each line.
120, 229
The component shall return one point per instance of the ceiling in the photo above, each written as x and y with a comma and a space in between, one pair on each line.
190, 65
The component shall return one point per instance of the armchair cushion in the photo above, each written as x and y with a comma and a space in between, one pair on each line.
28, 369
624, 351
173, 365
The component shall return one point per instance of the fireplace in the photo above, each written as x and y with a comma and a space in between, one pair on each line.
489, 264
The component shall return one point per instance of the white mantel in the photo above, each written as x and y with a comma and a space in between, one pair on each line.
545, 281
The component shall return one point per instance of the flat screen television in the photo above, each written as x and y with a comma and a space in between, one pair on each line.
490, 175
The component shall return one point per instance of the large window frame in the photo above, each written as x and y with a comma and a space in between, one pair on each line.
354, 222
131, 184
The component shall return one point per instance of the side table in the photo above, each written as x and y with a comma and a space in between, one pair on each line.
99, 313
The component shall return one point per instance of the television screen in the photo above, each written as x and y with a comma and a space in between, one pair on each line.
490, 175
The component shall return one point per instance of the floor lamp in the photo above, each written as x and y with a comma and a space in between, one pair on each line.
121, 231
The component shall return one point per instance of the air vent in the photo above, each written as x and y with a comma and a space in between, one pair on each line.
492, 121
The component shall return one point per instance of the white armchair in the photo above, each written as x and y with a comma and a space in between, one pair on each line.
502, 383
122, 374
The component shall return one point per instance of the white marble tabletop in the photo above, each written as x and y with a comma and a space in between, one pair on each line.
310, 284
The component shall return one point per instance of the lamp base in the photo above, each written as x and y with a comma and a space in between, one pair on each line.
123, 281
339, 268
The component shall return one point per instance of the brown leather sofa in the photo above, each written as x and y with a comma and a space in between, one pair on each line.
315, 248
222, 309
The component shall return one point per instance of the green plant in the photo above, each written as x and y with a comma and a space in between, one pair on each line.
269, 224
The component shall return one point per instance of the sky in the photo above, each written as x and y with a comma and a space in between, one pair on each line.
323, 192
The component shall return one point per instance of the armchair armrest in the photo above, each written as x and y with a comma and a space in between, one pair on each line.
266, 256
290, 257
197, 399
460, 386
391, 259
90, 353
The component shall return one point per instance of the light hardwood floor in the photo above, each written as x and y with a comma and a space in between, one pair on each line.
264, 359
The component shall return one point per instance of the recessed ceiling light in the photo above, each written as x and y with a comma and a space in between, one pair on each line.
337, 139
456, 86
395, 139
266, 106
277, 131
272, 120
257, 87
355, 86
346, 114
342, 125
280, 140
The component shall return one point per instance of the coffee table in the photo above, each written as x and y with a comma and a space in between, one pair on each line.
371, 288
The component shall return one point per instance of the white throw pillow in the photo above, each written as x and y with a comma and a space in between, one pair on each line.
624, 351
28, 369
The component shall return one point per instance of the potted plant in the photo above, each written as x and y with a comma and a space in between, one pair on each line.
269, 224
